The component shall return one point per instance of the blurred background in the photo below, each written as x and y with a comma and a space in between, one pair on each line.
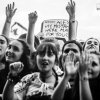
87, 15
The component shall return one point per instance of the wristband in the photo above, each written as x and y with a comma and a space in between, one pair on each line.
8, 21
84, 79
13, 78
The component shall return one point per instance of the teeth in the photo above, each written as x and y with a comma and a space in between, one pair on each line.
44, 63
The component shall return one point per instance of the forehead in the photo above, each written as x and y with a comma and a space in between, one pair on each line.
16, 43
2, 38
71, 45
93, 40
46, 46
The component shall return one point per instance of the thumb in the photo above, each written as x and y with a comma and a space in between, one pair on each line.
77, 65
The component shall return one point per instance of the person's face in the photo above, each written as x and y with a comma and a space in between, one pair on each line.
14, 51
3, 45
46, 60
92, 45
94, 68
71, 48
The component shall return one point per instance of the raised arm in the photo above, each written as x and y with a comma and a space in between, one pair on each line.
72, 23
69, 70
84, 87
13, 78
30, 36
10, 12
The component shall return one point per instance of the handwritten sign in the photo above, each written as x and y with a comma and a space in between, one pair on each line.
55, 28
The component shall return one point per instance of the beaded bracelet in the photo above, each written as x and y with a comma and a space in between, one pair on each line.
84, 79
13, 78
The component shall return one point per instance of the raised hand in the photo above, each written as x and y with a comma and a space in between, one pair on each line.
85, 62
10, 11
70, 67
71, 9
16, 68
33, 17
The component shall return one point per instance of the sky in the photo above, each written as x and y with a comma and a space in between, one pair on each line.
87, 15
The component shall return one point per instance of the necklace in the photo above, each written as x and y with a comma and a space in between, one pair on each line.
44, 77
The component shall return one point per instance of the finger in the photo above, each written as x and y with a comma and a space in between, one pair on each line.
10, 6
35, 12
71, 2
85, 56
14, 11
68, 58
65, 58
77, 66
6, 10
67, 7
13, 5
72, 57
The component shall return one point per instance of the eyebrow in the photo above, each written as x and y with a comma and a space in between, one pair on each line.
71, 49
2, 40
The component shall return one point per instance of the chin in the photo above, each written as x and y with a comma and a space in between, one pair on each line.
9, 60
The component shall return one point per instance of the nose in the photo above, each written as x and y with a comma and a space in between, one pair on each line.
45, 56
92, 43
71, 52
10, 50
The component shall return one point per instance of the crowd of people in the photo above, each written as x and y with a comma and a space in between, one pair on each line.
37, 71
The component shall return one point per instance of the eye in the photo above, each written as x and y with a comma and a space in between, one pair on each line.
89, 42
41, 53
16, 48
95, 43
2, 42
75, 51
50, 53
94, 64
66, 51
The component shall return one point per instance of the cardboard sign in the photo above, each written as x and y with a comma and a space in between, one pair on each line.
55, 28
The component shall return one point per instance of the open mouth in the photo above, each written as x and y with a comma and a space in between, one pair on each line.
45, 63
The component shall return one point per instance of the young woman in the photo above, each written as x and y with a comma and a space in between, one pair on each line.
3, 64
10, 12
18, 51
90, 72
38, 85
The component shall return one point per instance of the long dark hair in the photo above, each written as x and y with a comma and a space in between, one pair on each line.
25, 58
